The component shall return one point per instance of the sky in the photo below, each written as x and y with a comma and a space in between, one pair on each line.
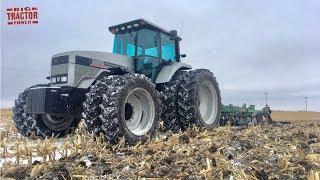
251, 46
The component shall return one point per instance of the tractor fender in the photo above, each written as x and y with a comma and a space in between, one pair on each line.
167, 72
86, 81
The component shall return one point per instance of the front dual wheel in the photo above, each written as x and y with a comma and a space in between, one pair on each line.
41, 125
123, 106
139, 111
57, 122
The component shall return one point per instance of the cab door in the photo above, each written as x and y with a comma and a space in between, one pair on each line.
148, 57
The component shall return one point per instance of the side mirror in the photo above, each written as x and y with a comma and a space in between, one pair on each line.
173, 35
183, 55
48, 77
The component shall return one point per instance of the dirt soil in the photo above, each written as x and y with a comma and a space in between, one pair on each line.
273, 151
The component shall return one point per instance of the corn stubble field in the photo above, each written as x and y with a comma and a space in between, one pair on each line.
270, 151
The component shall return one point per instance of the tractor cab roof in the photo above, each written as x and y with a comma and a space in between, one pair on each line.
137, 25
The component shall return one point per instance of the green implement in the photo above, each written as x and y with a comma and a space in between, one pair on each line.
239, 116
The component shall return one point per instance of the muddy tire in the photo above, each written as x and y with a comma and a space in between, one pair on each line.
199, 99
169, 93
41, 125
91, 106
130, 107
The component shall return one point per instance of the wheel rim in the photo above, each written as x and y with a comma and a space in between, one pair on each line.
57, 122
208, 102
139, 111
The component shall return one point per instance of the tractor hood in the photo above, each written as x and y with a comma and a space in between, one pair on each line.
96, 58
81, 68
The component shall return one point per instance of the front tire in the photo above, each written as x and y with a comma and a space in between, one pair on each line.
92, 113
37, 124
200, 101
130, 107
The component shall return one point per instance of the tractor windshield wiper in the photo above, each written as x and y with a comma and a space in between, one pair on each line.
155, 39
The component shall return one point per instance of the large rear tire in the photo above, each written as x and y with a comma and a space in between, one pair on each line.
130, 107
42, 125
200, 100
169, 92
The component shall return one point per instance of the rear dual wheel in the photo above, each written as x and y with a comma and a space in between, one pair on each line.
191, 98
170, 95
202, 102
208, 102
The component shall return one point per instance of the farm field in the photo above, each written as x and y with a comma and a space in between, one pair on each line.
295, 116
270, 151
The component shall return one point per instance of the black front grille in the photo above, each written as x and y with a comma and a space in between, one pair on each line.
36, 100
46, 100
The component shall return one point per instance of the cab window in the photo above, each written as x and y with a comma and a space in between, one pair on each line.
168, 48
124, 44
149, 41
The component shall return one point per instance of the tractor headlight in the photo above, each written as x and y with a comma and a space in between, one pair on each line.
53, 80
60, 78
64, 79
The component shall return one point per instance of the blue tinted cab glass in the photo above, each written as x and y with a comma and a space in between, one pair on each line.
168, 48
151, 52
124, 44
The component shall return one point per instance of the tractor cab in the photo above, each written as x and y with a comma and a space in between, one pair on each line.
151, 46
